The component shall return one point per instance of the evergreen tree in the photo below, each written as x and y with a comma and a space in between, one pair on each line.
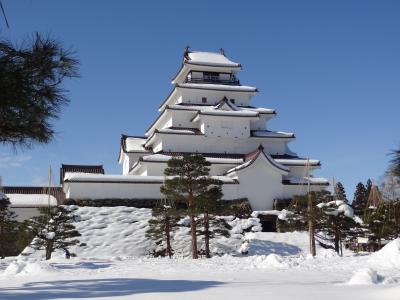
395, 162
340, 192
383, 221
163, 223
8, 226
368, 187
209, 206
297, 215
188, 181
53, 230
31, 92
360, 199
337, 221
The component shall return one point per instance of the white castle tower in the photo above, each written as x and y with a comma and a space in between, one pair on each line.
208, 112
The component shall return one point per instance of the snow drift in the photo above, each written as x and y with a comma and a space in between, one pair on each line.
364, 276
388, 257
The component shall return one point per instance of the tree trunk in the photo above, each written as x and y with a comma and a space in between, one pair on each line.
311, 226
168, 236
2, 254
49, 248
193, 233
207, 234
336, 240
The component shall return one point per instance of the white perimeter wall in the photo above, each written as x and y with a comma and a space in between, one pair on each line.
99, 190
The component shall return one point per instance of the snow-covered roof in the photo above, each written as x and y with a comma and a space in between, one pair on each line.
226, 113
100, 178
298, 162
31, 200
272, 134
133, 143
260, 153
260, 110
214, 109
214, 160
209, 59
294, 180
218, 87
177, 130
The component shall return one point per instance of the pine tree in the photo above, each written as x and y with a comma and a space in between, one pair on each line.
340, 192
360, 199
188, 181
163, 223
209, 206
337, 221
53, 230
297, 214
8, 226
31, 89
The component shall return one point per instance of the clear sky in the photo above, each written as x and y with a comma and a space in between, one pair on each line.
330, 68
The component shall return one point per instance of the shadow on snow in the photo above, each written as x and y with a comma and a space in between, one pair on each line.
97, 288
261, 247
82, 265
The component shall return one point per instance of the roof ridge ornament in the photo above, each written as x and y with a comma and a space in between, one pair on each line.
186, 52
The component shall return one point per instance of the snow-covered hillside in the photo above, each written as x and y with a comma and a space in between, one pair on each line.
120, 232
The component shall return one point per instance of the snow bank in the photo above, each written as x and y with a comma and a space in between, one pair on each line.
26, 267
364, 276
272, 261
388, 256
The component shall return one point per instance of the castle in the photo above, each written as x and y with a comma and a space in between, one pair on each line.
208, 112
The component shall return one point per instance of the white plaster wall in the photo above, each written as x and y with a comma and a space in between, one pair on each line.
182, 118
209, 144
300, 171
261, 123
194, 96
157, 169
226, 127
261, 185
129, 160
99, 190
76, 190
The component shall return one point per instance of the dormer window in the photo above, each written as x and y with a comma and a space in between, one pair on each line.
232, 101
204, 100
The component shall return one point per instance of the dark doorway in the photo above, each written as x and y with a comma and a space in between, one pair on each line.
268, 223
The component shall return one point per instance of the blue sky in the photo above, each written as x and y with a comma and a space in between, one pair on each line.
330, 68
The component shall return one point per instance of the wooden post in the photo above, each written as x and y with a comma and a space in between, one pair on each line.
310, 209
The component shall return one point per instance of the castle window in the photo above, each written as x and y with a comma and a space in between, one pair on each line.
204, 99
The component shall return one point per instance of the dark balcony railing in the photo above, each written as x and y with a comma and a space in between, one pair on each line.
233, 81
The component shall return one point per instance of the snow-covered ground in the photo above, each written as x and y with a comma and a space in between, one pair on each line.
276, 267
